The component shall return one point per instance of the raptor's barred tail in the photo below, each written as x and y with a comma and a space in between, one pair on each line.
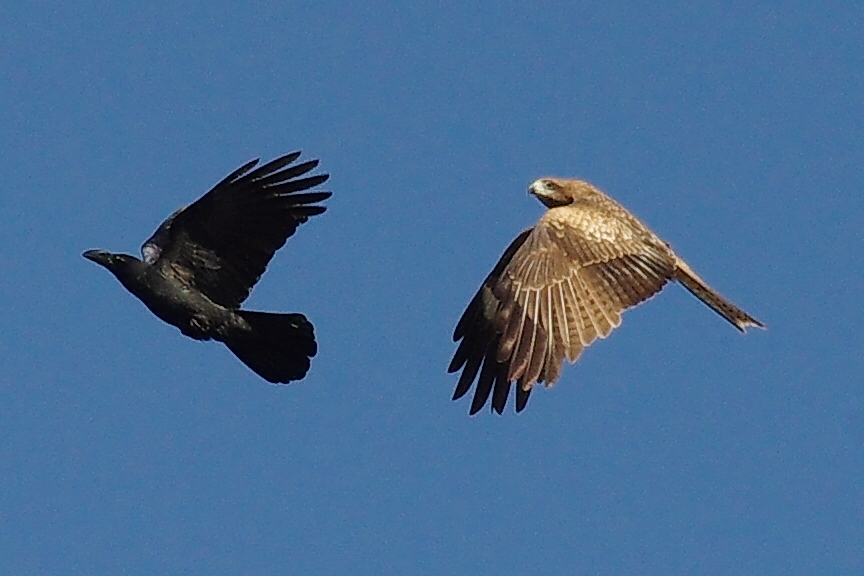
279, 347
737, 317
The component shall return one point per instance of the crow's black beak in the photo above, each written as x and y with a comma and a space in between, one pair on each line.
99, 256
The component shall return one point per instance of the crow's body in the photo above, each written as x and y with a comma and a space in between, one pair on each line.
561, 285
201, 263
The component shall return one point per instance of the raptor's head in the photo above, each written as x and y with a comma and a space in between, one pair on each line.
558, 191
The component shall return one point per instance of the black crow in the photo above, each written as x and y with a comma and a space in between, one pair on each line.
561, 285
201, 263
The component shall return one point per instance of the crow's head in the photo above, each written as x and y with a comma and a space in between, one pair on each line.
126, 268
111, 261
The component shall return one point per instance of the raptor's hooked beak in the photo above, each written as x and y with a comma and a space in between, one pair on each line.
549, 193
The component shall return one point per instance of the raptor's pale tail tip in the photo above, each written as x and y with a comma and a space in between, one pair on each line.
750, 322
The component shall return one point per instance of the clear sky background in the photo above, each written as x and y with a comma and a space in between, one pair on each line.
676, 446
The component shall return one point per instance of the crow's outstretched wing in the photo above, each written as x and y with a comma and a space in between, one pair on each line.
222, 243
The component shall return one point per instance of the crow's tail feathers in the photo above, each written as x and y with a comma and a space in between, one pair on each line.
279, 347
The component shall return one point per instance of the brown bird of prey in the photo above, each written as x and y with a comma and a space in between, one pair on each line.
201, 263
561, 285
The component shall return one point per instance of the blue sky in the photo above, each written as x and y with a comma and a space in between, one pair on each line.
676, 446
